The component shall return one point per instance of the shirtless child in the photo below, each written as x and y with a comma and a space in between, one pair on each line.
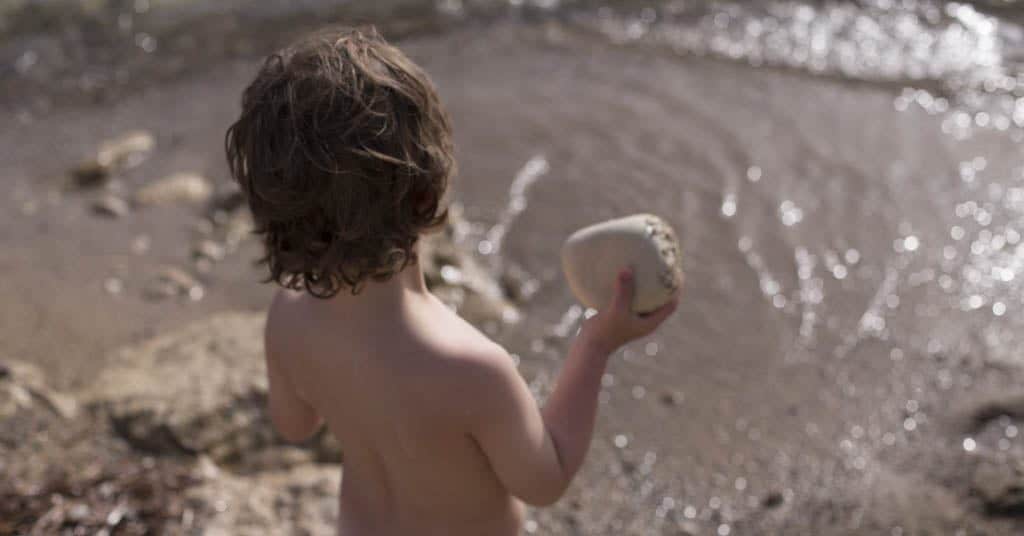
344, 154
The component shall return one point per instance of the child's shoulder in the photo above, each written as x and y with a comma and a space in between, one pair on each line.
286, 303
288, 310
472, 352
456, 338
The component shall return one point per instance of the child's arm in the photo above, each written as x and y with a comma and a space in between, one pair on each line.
292, 416
537, 453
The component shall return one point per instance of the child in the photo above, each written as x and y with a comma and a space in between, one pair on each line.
344, 154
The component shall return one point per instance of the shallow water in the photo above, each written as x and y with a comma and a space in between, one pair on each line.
848, 187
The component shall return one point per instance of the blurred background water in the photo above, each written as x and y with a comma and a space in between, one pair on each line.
846, 178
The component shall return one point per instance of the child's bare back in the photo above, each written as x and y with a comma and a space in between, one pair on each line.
391, 381
344, 154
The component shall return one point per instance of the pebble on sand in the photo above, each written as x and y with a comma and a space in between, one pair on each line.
178, 187
113, 285
141, 244
89, 174
671, 398
173, 281
111, 206
208, 249
774, 499
126, 151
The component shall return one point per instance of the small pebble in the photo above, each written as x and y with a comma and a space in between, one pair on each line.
173, 281
79, 512
116, 515
179, 187
90, 174
160, 290
127, 151
110, 206
210, 250
178, 277
113, 285
140, 244
772, 500
669, 398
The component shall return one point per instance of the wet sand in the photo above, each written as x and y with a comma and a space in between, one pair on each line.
788, 396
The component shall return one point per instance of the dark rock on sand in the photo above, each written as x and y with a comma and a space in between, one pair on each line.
201, 456
671, 398
773, 499
89, 174
198, 391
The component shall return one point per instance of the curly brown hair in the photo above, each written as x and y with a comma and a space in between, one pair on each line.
344, 153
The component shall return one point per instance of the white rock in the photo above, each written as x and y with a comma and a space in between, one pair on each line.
209, 249
111, 206
127, 151
179, 187
593, 256
24, 385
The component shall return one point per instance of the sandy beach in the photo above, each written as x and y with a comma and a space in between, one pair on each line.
845, 360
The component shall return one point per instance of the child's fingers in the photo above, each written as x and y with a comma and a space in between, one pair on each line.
650, 321
623, 298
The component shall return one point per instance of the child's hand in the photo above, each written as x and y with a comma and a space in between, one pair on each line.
617, 324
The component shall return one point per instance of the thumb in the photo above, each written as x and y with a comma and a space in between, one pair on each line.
624, 290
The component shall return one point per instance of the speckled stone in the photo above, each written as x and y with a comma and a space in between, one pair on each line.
592, 256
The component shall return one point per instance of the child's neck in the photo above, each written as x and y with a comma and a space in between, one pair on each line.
386, 295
